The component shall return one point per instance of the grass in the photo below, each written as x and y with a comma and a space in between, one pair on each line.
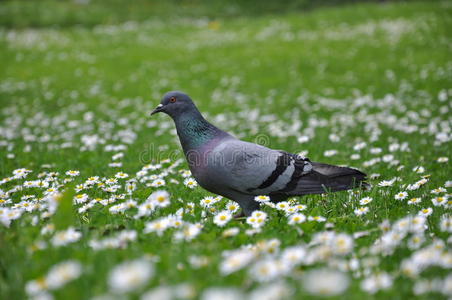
373, 73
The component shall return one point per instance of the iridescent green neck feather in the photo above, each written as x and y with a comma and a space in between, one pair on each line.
194, 131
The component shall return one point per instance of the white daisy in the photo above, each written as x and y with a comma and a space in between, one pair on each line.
401, 195
159, 198
361, 211
414, 201
439, 201
283, 205
158, 182
130, 275
296, 218
72, 173
232, 207
365, 200
262, 198
317, 218
190, 182
222, 218
121, 175
425, 212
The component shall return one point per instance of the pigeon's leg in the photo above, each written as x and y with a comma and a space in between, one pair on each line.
275, 198
247, 204
239, 215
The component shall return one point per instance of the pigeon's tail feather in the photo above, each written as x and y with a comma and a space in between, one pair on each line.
328, 178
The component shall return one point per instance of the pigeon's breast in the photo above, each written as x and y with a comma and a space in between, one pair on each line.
203, 163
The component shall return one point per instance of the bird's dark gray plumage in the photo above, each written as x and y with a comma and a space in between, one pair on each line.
238, 170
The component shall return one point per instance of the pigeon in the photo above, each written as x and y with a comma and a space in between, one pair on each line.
240, 170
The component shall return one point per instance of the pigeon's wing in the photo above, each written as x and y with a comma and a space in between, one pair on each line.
257, 170
254, 169
323, 178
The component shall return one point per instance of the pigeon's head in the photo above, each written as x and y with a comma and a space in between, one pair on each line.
174, 103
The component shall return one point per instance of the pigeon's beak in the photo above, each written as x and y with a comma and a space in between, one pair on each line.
157, 109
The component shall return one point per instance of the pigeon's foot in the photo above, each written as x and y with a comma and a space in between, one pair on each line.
239, 215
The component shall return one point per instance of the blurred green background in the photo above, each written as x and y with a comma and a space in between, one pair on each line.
268, 58
37, 13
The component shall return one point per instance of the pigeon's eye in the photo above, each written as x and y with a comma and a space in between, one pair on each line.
172, 99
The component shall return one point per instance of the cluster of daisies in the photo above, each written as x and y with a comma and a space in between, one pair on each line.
161, 197
265, 262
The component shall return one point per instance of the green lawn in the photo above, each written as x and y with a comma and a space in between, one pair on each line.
370, 81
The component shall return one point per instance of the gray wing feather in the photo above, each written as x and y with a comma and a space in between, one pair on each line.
245, 167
